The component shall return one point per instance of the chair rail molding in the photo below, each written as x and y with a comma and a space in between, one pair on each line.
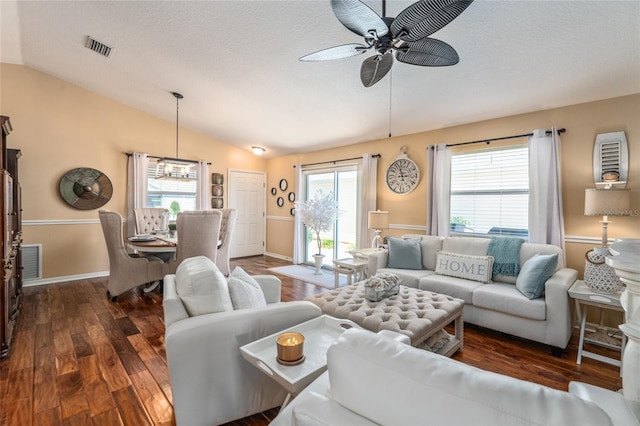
48, 222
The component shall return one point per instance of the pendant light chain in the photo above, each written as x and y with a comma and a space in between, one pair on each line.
178, 97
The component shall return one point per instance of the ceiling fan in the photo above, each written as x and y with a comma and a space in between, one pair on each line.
407, 35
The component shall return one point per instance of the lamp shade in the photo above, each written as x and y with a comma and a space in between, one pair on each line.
378, 220
607, 202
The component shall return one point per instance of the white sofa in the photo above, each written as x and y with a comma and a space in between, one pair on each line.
375, 380
498, 305
211, 382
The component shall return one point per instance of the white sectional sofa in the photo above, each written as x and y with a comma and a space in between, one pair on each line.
374, 380
499, 304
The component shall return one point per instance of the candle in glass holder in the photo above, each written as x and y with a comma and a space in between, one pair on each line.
290, 346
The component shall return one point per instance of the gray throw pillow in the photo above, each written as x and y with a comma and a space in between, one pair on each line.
404, 253
534, 273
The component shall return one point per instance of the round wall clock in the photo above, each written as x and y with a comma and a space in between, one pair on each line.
85, 188
402, 175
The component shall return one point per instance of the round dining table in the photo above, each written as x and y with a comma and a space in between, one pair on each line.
153, 244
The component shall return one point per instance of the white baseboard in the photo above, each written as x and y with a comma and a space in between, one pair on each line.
65, 278
279, 256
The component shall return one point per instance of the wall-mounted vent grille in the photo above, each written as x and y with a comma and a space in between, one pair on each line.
31, 262
98, 47
610, 160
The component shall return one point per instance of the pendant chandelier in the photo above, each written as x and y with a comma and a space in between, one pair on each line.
176, 168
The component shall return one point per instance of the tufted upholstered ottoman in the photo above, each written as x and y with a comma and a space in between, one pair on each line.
421, 315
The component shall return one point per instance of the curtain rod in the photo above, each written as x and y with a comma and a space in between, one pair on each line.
487, 141
335, 161
129, 154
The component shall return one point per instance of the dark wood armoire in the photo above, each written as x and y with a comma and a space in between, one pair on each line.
11, 231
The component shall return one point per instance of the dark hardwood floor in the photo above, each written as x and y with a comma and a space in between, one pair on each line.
78, 359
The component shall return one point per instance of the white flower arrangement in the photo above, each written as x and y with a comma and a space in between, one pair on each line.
318, 214
382, 281
381, 285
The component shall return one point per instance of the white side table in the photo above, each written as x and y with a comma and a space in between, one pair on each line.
354, 268
319, 333
583, 295
364, 252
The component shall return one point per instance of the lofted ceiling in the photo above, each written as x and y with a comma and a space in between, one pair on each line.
236, 63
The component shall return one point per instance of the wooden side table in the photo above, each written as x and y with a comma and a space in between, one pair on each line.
583, 295
354, 268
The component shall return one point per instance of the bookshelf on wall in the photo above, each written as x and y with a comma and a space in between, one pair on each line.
11, 230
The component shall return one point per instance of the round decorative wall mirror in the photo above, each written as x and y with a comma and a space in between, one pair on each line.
85, 188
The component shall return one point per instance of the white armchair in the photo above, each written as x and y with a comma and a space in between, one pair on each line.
210, 380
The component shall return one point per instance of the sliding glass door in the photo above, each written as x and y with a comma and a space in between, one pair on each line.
343, 182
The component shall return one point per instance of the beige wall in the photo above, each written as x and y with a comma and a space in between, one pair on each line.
583, 122
58, 127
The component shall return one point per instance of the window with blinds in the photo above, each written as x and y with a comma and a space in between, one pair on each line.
163, 193
490, 191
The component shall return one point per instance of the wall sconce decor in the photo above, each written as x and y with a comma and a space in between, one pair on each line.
610, 161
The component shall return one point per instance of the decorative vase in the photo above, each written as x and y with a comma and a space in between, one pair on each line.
318, 259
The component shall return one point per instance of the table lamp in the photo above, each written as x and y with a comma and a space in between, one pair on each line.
378, 220
605, 203
599, 276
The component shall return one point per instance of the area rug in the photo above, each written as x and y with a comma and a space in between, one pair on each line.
305, 273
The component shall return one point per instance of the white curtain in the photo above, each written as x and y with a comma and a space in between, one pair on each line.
203, 192
368, 198
439, 189
137, 166
298, 227
546, 223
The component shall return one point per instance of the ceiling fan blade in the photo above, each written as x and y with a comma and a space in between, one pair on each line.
358, 17
374, 68
336, 52
429, 52
425, 17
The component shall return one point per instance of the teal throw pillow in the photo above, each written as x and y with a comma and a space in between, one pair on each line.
404, 253
534, 273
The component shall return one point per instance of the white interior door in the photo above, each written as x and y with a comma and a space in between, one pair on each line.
247, 196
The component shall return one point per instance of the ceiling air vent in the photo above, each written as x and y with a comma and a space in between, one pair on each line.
610, 160
98, 47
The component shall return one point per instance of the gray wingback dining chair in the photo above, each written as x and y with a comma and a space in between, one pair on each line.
149, 219
198, 235
126, 271
227, 225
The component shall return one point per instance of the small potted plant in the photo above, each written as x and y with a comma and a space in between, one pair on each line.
172, 229
458, 224
318, 214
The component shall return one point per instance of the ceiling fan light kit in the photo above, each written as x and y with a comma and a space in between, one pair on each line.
407, 35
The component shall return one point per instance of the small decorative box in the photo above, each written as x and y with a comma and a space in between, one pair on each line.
380, 286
